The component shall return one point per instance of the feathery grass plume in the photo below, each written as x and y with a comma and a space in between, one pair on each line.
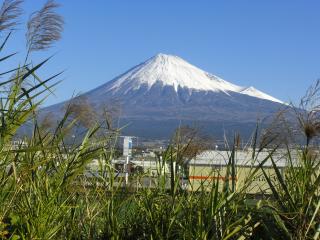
82, 109
44, 27
111, 112
190, 141
280, 131
309, 117
9, 13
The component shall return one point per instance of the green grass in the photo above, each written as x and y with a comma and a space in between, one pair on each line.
45, 194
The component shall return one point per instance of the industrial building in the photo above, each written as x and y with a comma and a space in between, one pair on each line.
204, 170
210, 166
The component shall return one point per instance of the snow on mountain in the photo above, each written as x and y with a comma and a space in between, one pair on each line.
174, 71
251, 91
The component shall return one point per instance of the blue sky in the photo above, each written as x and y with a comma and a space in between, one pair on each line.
272, 45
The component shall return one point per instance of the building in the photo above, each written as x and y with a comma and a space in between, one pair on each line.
216, 167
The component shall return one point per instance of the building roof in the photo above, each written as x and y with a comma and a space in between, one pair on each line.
242, 158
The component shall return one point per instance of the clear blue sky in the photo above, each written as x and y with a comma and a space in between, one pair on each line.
272, 45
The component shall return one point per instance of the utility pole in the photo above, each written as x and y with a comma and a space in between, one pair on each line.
127, 171
127, 153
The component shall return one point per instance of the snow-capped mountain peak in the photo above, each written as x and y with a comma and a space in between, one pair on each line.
173, 71
170, 70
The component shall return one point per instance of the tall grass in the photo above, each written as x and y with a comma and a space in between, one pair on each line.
49, 191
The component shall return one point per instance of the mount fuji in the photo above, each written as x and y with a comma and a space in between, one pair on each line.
165, 91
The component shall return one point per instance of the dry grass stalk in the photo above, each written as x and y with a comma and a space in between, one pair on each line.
44, 27
279, 133
9, 13
309, 117
81, 109
190, 142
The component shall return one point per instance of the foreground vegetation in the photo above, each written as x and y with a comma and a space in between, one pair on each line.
45, 193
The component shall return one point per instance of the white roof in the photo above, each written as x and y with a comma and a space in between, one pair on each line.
242, 158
